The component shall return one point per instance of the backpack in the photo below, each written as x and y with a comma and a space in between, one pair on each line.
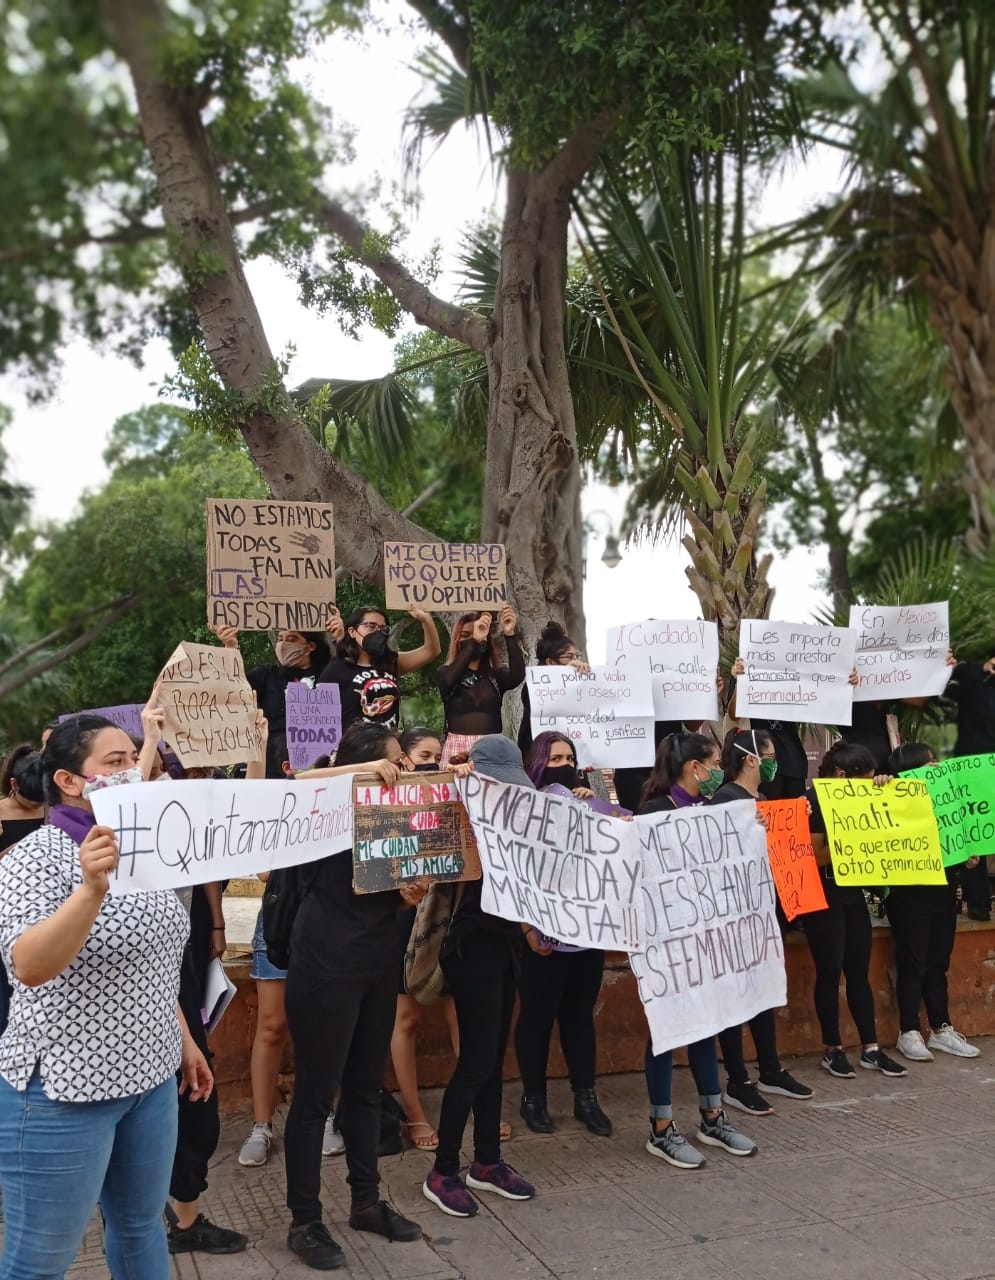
423, 976
285, 891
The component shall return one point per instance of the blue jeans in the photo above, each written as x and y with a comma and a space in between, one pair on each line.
703, 1059
59, 1159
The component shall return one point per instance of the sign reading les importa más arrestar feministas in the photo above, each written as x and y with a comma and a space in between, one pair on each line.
270, 565
446, 576
416, 830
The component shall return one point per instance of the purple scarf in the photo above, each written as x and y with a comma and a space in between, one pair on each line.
75, 822
684, 799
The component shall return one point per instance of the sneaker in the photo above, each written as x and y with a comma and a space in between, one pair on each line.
911, 1045
720, 1133
315, 1247
332, 1144
744, 1097
382, 1219
203, 1236
950, 1041
672, 1146
449, 1193
255, 1149
878, 1060
500, 1178
785, 1084
837, 1064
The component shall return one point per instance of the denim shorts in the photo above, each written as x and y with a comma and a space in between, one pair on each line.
263, 970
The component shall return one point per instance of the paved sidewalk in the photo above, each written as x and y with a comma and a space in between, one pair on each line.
883, 1179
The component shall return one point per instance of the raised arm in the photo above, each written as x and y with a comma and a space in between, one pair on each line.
153, 719
511, 676
427, 651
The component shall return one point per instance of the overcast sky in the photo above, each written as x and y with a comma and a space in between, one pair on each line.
56, 448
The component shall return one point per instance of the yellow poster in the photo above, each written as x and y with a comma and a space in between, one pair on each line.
880, 836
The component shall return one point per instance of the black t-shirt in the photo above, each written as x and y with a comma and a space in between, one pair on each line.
870, 729
15, 829
974, 693
834, 891
367, 693
341, 934
629, 781
658, 804
730, 791
470, 917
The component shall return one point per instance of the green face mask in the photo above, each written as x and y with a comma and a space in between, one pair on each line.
768, 770
711, 784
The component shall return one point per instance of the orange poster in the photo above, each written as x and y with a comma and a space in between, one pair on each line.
792, 862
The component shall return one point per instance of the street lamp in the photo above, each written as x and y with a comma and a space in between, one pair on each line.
611, 557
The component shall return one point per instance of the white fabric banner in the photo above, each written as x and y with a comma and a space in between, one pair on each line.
795, 672
683, 658
552, 862
607, 715
901, 650
174, 834
713, 955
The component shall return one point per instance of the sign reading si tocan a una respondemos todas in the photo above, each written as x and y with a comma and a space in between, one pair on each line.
445, 576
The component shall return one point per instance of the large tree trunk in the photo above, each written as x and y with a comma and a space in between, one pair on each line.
961, 288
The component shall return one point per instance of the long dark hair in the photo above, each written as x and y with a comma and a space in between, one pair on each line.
348, 646
14, 765
363, 742
491, 659
321, 656
849, 758
739, 744
67, 748
910, 755
537, 756
673, 753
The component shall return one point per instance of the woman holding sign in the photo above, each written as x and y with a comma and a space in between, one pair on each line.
88, 1094
554, 648
840, 937
749, 759
473, 682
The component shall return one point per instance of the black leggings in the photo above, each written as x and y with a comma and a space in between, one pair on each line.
840, 941
764, 1031
923, 921
481, 977
198, 1124
341, 1032
563, 987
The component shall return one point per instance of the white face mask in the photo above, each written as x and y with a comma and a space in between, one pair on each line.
101, 780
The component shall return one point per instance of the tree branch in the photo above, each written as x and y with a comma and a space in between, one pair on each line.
427, 308
562, 174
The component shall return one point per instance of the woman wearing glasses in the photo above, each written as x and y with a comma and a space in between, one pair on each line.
473, 681
367, 668
554, 648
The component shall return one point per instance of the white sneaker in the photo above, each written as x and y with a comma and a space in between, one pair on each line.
333, 1144
951, 1041
911, 1045
255, 1149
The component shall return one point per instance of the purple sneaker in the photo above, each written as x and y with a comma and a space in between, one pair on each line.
502, 1178
450, 1194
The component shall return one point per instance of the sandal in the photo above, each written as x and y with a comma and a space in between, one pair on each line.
505, 1131
427, 1141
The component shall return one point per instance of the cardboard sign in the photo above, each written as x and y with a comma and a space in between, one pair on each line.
127, 716
607, 714
713, 955
962, 793
210, 707
174, 834
792, 859
901, 650
314, 722
683, 659
418, 830
445, 576
270, 565
554, 863
880, 835
795, 672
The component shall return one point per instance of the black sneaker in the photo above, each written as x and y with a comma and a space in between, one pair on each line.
315, 1247
878, 1060
382, 1219
204, 1237
784, 1083
837, 1064
744, 1097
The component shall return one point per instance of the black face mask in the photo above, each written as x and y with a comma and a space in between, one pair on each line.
480, 647
424, 768
377, 645
565, 774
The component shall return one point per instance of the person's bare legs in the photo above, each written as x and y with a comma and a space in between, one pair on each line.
267, 1047
404, 1058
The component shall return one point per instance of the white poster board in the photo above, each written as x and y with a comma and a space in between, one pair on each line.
174, 834
901, 650
683, 658
554, 863
607, 714
713, 955
795, 672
